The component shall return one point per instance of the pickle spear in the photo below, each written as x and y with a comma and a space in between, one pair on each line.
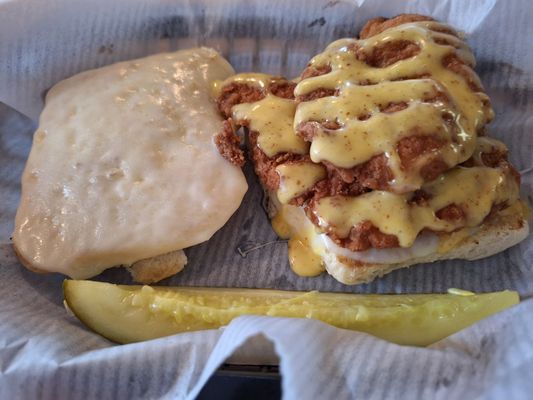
125, 314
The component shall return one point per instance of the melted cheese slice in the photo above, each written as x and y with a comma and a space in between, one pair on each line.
123, 166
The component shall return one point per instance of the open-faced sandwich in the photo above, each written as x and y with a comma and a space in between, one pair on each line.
376, 157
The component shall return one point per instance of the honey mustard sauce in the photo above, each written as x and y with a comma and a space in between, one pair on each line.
363, 90
475, 190
297, 178
487, 145
272, 118
305, 257
303, 260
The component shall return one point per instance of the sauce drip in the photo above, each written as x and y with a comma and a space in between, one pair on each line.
475, 190
291, 223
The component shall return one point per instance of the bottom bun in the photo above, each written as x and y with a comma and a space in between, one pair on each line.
149, 270
501, 231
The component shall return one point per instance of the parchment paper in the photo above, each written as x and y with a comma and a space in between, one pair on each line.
45, 353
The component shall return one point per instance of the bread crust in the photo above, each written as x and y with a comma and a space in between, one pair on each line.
495, 235
504, 229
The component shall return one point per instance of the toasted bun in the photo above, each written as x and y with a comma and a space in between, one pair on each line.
500, 232
154, 269
503, 230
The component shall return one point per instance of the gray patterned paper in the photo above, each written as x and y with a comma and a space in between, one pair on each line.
45, 353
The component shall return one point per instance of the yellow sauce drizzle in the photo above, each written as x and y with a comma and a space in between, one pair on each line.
358, 141
475, 190
281, 226
487, 145
272, 117
303, 261
297, 178
291, 223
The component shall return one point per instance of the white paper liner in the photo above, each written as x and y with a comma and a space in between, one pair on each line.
45, 353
